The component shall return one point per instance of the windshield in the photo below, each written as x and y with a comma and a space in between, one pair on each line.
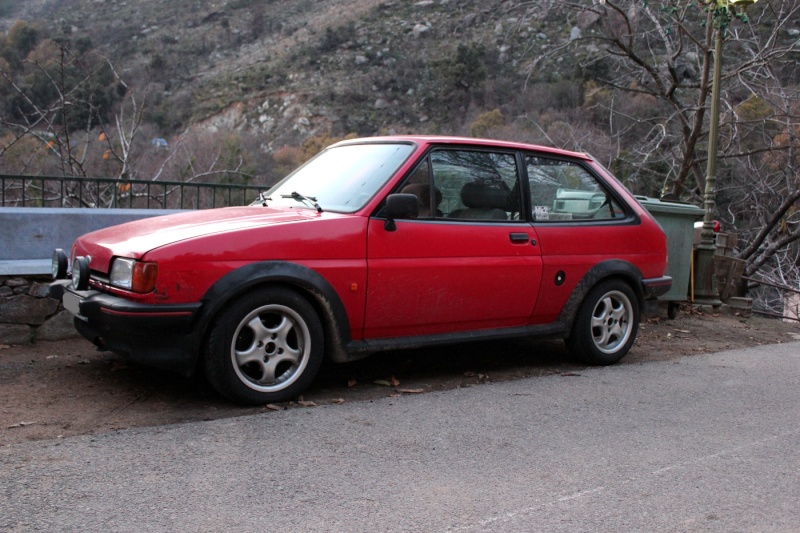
341, 179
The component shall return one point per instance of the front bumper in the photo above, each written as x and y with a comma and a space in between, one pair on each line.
163, 336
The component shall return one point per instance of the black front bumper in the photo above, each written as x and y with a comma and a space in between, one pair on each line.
163, 336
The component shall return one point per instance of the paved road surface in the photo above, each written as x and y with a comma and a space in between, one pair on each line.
708, 443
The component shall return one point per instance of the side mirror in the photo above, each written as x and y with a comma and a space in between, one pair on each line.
400, 206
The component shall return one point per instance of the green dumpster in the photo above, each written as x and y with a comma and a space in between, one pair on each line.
677, 220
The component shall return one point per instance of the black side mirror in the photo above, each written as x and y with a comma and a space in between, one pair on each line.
400, 206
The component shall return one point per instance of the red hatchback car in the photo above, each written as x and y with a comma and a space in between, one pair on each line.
374, 244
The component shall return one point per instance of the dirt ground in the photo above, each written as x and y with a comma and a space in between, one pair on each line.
61, 389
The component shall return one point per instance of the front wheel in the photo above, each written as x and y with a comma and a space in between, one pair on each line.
606, 324
265, 348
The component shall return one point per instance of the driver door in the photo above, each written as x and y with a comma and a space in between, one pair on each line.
468, 263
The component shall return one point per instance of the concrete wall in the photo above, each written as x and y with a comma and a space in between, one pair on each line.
28, 235
27, 239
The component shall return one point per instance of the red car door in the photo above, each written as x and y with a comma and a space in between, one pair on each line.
470, 264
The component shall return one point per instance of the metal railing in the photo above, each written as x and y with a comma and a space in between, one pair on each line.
48, 191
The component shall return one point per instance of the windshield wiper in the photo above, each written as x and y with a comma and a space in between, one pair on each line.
311, 200
262, 196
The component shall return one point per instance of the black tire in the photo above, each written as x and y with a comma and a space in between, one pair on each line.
265, 348
606, 324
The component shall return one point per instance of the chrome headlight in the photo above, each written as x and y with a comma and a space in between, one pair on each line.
59, 264
132, 275
80, 273
122, 273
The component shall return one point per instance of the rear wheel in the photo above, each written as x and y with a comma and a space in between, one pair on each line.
606, 324
266, 347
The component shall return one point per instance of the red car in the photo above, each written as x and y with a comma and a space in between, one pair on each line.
374, 244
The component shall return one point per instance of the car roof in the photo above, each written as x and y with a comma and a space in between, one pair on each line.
429, 140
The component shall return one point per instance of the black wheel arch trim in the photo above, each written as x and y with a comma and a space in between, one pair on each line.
607, 269
322, 295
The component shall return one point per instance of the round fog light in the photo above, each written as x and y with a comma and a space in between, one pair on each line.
80, 274
59, 265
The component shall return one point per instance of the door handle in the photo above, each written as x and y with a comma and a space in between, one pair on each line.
518, 237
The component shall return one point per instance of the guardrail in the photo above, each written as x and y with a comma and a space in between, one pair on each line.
49, 191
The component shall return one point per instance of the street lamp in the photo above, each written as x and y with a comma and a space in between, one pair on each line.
706, 291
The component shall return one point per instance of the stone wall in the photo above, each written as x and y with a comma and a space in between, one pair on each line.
28, 314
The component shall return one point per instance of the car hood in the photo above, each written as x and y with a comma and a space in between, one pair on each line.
134, 239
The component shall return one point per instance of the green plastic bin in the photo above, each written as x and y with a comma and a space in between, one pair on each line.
677, 220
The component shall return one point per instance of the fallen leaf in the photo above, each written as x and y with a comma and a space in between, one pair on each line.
411, 391
394, 382
4, 346
306, 403
338, 400
273, 407
352, 382
382, 382
682, 331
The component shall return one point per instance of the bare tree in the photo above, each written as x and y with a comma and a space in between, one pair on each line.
71, 114
64, 98
647, 73
663, 50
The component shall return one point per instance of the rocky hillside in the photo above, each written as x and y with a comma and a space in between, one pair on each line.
293, 69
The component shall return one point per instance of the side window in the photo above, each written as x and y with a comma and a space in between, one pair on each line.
561, 190
419, 184
475, 185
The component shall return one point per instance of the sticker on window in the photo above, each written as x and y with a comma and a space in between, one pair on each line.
541, 212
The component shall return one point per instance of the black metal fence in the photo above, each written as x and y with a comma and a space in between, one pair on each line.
47, 191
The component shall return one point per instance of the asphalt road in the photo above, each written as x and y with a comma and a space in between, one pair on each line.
706, 443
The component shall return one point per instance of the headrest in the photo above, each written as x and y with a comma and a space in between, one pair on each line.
422, 191
486, 194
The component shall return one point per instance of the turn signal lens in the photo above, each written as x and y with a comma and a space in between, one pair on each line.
144, 276
136, 276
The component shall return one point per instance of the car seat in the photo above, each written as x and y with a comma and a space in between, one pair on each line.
484, 200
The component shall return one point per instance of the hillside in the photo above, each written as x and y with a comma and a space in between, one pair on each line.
298, 68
